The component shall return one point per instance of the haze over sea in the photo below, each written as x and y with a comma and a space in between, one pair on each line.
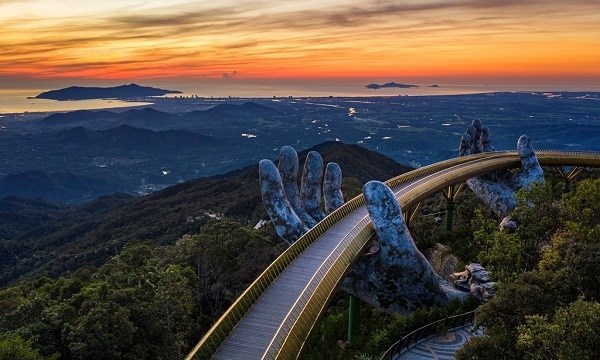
16, 100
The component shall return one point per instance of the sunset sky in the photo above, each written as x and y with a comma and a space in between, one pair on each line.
443, 40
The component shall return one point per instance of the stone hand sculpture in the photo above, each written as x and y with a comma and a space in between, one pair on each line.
394, 276
498, 189
294, 210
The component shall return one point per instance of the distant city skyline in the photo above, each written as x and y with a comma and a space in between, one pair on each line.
462, 41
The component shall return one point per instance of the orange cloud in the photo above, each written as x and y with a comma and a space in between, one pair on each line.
270, 39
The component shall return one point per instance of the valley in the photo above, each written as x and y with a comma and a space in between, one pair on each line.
141, 150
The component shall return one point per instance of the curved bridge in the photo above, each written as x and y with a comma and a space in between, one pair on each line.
274, 316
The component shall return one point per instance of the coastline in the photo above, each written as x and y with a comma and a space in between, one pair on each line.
15, 102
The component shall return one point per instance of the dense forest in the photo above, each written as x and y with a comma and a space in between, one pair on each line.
134, 278
154, 299
43, 239
546, 303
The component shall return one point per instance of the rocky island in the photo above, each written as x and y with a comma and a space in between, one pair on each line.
117, 92
390, 85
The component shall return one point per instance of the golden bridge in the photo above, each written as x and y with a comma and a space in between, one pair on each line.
274, 316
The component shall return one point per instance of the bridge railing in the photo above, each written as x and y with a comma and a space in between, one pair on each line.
213, 339
303, 316
423, 332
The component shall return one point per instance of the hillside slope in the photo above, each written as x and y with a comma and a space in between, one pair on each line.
55, 186
81, 238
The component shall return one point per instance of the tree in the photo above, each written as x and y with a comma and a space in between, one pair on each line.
550, 312
572, 333
13, 347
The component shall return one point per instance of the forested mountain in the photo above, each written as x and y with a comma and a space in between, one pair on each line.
19, 215
129, 138
156, 120
146, 118
175, 140
81, 237
157, 295
55, 186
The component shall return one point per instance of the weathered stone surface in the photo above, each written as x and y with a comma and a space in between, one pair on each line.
397, 278
285, 205
478, 273
487, 290
486, 139
498, 189
310, 185
508, 224
287, 224
392, 275
474, 131
461, 280
444, 263
531, 171
288, 168
332, 184
476, 280
497, 196
464, 147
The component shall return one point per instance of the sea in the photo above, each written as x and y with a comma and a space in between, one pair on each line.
22, 101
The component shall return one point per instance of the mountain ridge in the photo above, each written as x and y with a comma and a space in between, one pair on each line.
54, 186
53, 248
129, 137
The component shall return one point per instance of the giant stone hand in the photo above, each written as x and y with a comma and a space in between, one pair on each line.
294, 211
396, 277
498, 189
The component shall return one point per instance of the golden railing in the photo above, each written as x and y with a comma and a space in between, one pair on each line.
310, 306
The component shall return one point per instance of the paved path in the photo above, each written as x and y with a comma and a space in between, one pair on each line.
439, 347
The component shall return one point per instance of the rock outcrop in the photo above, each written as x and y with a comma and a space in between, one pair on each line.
476, 280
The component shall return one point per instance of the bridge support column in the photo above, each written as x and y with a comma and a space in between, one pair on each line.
410, 214
353, 318
567, 177
449, 214
450, 193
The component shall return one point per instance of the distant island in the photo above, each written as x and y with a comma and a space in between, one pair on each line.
117, 92
390, 85
434, 86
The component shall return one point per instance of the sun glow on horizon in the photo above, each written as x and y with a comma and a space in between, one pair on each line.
272, 39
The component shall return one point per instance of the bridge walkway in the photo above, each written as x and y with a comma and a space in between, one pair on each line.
278, 318
253, 335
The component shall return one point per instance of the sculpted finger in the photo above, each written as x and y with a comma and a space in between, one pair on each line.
486, 139
310, 185
465, 145
474, 131
287, 224
531, 171
402, 269
288, 168
386, 216
332, 184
